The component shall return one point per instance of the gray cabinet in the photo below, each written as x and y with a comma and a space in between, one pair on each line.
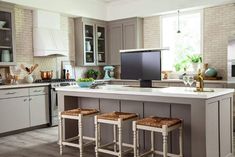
39, 110
124, 34
90, 42
7, 35
23, 108
14, 114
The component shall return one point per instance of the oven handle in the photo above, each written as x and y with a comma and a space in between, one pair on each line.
56, 96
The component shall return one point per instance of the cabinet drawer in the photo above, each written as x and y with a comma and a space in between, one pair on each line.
38, 90
10, 93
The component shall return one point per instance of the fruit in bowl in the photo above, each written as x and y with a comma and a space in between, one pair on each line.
85, 82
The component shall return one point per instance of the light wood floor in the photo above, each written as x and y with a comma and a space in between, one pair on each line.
38, 143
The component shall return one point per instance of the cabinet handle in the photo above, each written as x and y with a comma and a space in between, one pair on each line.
9, 93
37, 91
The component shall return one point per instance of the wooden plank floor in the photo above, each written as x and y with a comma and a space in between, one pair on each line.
39, 143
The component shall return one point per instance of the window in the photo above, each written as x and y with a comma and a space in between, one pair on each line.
183, 44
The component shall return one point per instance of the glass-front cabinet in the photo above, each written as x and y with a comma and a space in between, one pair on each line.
101, 45
89, 51
92, 51
7, 48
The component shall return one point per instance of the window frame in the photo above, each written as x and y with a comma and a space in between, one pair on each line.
185, 12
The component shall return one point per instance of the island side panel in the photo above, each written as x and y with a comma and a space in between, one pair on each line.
108, 105
132, 107
182, 111
68, 103
160, 110
88, 123
226, 134
198, 128
212, 131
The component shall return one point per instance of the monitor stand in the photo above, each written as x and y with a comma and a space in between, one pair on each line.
146, 83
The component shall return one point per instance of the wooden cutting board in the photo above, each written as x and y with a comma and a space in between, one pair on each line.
213, 78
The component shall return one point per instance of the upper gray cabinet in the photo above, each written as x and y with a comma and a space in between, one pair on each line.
124, 34
7, 35
90, 42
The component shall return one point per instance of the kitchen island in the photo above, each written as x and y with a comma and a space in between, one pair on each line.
207, 116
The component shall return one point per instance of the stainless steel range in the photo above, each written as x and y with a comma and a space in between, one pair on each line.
55, 83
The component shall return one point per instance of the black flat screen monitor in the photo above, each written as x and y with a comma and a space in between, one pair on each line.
141, 65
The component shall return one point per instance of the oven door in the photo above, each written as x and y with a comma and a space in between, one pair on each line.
54, 108
231, 71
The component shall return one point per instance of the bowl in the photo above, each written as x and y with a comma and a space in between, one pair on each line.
2, 23
211, 72
85, 84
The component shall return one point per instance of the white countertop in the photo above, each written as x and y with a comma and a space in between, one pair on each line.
163, 92
24, 85
172, 81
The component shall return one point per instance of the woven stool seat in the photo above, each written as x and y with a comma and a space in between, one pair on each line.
116, 115
158, 121
77, 111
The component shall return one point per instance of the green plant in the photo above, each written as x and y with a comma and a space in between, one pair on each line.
92, 72
85, 80
182, 65
195, 58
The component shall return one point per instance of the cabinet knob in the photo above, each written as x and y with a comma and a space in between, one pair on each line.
25, 100
30, 99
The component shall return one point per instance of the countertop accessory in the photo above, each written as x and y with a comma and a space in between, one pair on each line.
2, 23
108, 70
29, 70
85, 82
46, 75
70, 66
211, 72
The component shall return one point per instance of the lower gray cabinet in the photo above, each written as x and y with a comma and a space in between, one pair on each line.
39, 110
14, 114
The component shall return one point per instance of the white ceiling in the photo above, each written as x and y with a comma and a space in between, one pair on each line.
116, 9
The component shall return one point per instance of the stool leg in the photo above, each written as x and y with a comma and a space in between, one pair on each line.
115, 137
165, 134
138, 143
120, 136
152, 143
96, 137
61, 133
134, 138
80, 135
181, 140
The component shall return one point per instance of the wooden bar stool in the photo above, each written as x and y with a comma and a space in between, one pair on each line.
157, 124
116, 119
76, 114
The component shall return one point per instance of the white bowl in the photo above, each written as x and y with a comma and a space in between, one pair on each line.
2, 23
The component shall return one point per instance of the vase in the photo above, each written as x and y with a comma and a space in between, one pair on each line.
88, 46
195, 67
29, 78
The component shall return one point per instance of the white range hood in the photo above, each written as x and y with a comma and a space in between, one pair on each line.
48, 39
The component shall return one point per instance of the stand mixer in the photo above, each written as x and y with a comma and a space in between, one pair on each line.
109, 74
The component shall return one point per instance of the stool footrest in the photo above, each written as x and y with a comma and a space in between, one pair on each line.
147, 153
108, 151
168, 154
71, 144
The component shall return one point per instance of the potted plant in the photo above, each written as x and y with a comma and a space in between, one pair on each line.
91, 73
195, 61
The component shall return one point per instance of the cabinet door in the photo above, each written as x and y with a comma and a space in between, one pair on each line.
14, 114
101, 53
89, 44
39, 110
115, 43
129, 35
